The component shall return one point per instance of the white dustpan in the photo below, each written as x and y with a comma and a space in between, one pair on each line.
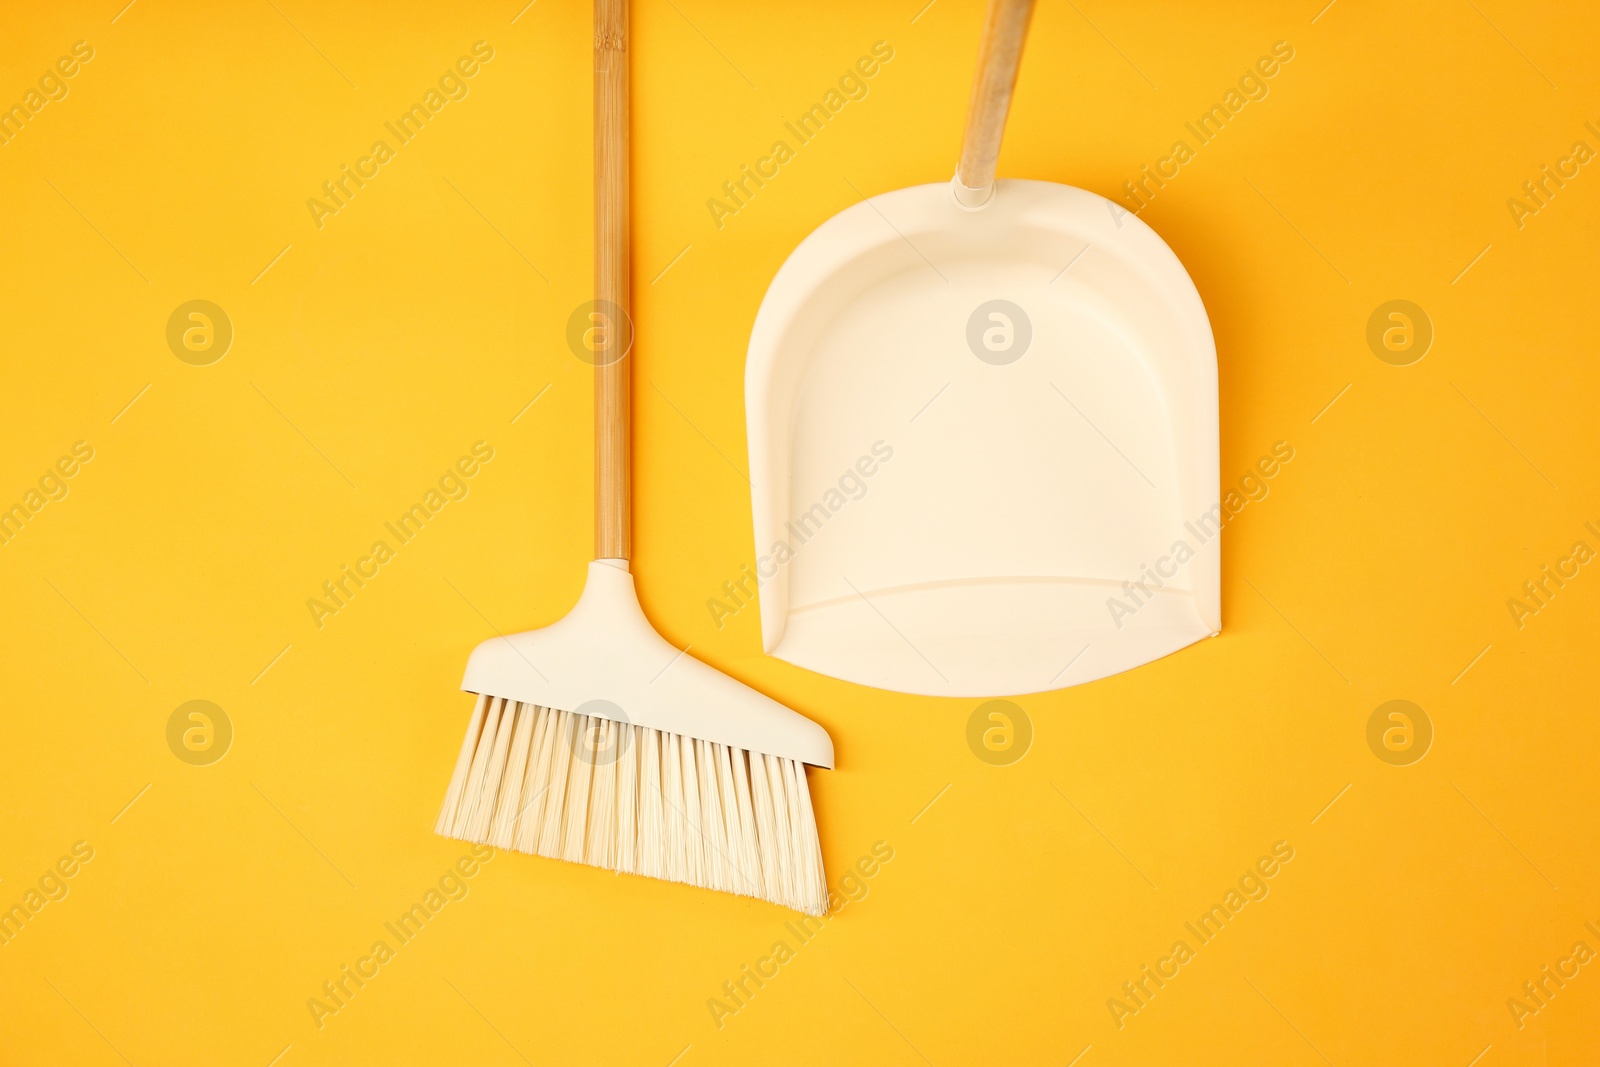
983, 433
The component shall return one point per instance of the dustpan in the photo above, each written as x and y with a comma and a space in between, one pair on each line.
983, 433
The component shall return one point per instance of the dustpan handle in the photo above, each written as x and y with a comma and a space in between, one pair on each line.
1005, 25
612, 289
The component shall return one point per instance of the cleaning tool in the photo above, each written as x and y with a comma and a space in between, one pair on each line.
983, 432
595, 740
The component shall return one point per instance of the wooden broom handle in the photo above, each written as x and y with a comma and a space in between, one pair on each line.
1005, 24
613, 479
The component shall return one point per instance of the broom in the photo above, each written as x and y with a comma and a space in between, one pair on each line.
596, 741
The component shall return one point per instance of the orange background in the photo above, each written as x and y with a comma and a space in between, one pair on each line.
426, 314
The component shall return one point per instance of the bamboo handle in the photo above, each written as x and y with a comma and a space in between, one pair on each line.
1005, 24
612, 288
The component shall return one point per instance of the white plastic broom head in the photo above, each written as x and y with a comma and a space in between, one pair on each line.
595, 740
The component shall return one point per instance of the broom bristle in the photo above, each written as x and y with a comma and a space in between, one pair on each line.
631, 799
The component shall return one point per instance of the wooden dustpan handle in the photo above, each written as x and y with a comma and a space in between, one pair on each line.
1005, 24
613, 537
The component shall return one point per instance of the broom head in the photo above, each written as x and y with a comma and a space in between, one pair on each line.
595, 740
